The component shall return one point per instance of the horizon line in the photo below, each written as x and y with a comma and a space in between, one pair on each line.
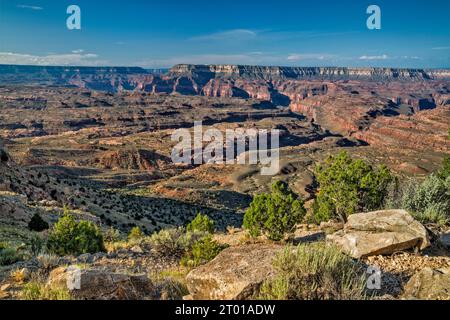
220, 64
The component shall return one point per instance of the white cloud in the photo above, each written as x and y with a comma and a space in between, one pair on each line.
78, 51
24, 6
251, 58
410, 57
68, 59
382, 57
309, 56
266, 35
441, 48
235, 34
386, 57
247, 58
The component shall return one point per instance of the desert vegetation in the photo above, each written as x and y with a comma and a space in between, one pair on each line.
274, 214
69, 236
348, 186
315, 272
37, 291
428, 200
9, 255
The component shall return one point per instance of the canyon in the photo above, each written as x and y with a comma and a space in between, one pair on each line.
109, 128
96, 141
380, 106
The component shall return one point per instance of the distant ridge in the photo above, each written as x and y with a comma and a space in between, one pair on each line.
104, 78
30, 69
200, 79
323, 73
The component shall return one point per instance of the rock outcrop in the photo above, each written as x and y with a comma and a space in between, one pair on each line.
429, 284
235, 274
100, 285
380, 233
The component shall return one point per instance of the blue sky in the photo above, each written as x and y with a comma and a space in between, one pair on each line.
154, 34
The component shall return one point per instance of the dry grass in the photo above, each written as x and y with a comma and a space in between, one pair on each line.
19, 276
314, 272
171, 283
36, 290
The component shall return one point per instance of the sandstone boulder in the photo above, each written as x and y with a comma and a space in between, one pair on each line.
380, 233
102, 285
235, 274
429, 284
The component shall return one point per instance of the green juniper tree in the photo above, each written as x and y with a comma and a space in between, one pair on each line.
69, 236
347, 186
274, 214
201, 223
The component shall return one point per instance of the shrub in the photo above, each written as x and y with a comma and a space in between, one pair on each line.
48, 262
444, 173
203, 251
174, 241
36, 244
428, 201
9, 256
432, 215
37, 223
274, 214
201, 223
135, 234
394, 193
172, 289
38, 291
112, 235
69, 236
347, 186
314, 272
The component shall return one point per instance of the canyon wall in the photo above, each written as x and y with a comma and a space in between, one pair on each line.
367, 103
298, 73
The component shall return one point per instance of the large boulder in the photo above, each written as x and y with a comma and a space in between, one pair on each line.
429, 284
380, 233
101, 285
235, 274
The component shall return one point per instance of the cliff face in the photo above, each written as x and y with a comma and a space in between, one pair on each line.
225, 80
382, 107
299, 73
421, 131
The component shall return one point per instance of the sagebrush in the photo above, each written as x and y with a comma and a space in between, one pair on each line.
314, 272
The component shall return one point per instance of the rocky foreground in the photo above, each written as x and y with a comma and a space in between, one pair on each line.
413, 262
